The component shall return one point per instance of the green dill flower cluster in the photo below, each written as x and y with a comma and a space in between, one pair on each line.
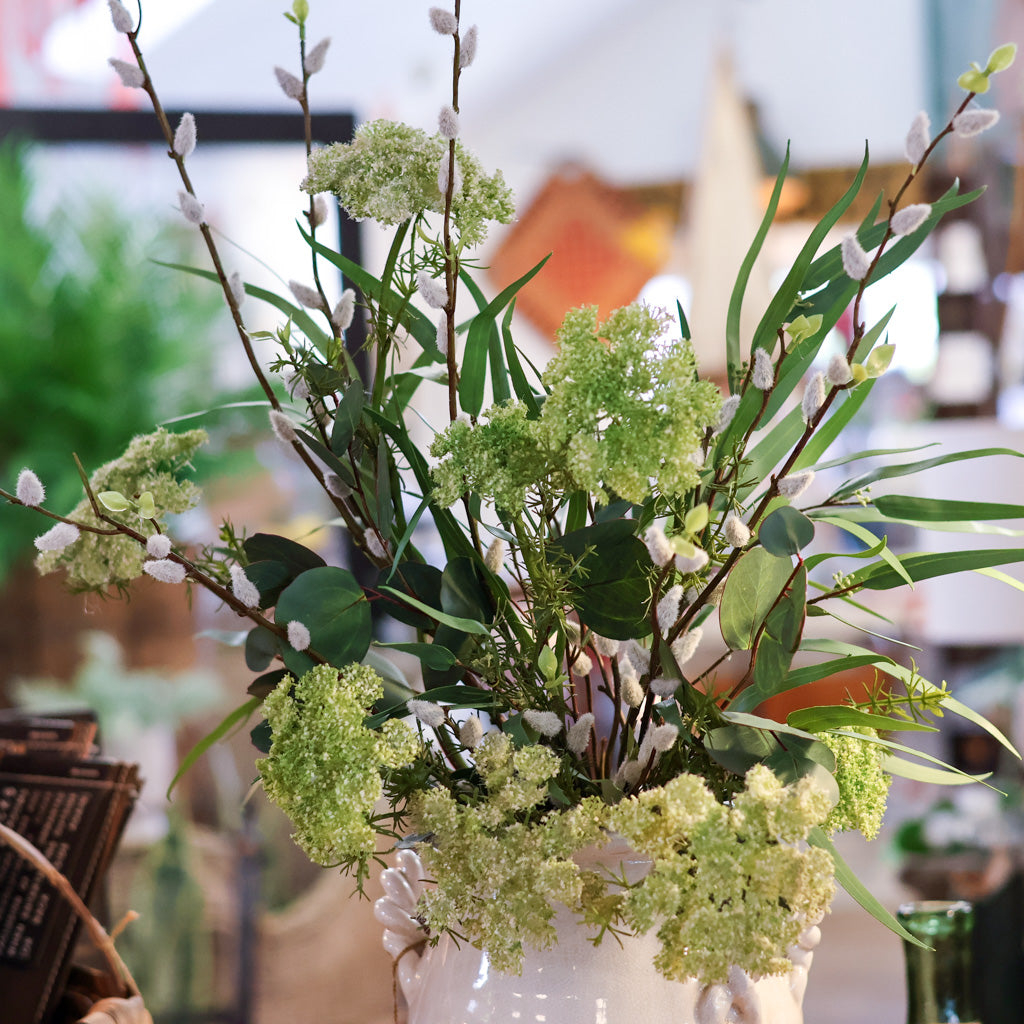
323, 769
728, 884
152, 462
625, 411
498, 875
388, 173
863, 784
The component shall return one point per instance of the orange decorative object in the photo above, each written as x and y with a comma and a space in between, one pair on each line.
604, 249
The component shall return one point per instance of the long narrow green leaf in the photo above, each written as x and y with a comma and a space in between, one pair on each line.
846, 877
523, 391
841, 716
236, 718
902, 506
455, 621
406, 537
867, 538
869, 514
929, 564
923, 773
1003, 577
732, 318
851, 487
474, 359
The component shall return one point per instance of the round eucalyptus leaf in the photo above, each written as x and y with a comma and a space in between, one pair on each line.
786, 531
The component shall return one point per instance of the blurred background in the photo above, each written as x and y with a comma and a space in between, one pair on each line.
642, 138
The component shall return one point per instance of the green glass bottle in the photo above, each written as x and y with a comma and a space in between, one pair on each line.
939, 979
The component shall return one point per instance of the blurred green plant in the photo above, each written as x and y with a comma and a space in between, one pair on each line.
97, 343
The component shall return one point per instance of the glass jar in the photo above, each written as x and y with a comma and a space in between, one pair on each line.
939, 979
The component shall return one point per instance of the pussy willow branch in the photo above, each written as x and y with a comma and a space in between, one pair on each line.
451, 270
351, 523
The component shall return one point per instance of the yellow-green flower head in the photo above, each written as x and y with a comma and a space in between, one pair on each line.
388, 173
863, 785
625, 413
323, 769
153, 463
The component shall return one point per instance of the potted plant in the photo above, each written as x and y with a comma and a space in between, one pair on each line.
561, 765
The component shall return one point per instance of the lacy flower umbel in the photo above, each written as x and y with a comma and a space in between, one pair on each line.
604, 525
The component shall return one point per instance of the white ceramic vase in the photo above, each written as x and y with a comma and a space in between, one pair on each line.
575, 982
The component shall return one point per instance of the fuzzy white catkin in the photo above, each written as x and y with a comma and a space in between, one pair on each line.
685, 646
814, 396
692, 563
838, 372
495, 555
578, 736
443, 22
663, 737
918, 138
58, 537
120, 17
448, 123
628, 774
345, 310
443, 170
243, 588
737, 533
29, 490
158, 546
668, 608
237, 288
637, 655
794, 485
191, 209
471, 732
663, 687
185, 136
290, 85
658, 546
632, 691
374, 546
763, 376
429, 713
164, 570
306, 296
855, 259
442, 333
298, 635
337, 486
282, 427
974, 121
582, 666
315, 57
910, 218
467, 46
547, 723
319, 211
727, 412
131, 75
433, 292
604, 645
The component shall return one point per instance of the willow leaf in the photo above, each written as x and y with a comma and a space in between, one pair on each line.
232, 721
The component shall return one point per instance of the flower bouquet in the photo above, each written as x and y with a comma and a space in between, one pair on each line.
603, 567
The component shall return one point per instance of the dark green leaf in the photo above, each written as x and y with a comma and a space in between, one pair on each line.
264, 684
347, 417
609, 586
782, 631
738, 748
329, 602
753, 587
786, 531
431, 655
524, 392
261, 647
465, 625
269, 547
420, 581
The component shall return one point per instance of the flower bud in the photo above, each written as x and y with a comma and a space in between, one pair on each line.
185, 136
547, 723
794, 485
855, 259
918, 138
737, 533
191, 209
158, 546
471, 732
58, 537
763, 377
290, 85
910, 218
578, 736
838, 372
974, 121
345, 310
448, 123
298, 635
429, 713
467, 47
282, 427
120, 17
433, 292
164, 570
131, 75
243, 588
306, 296
315, 57
443, 22
814, 397
29, 489
658, 546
